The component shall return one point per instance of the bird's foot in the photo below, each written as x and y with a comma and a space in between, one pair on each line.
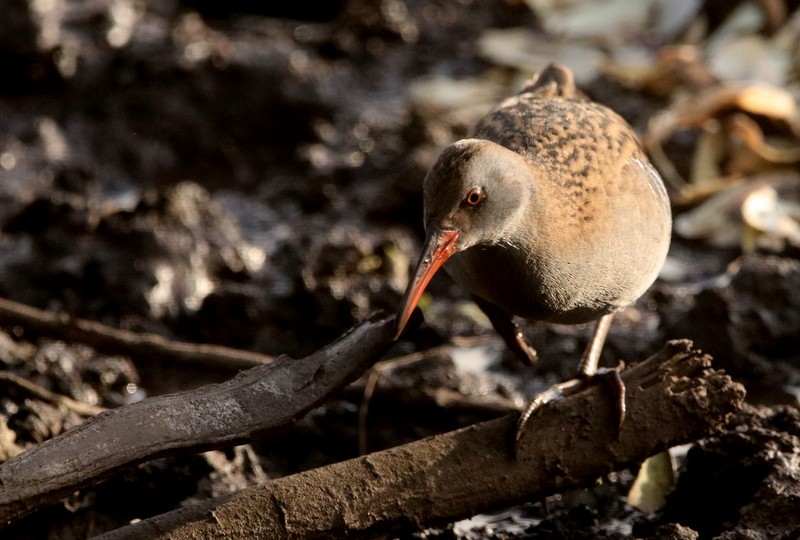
509, 330
567, 388
522, 348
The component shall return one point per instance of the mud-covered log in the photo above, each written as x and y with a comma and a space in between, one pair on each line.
673, 397
249, 406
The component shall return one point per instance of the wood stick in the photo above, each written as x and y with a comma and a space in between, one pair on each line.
673, 398
39, 392
111, 340
249, 406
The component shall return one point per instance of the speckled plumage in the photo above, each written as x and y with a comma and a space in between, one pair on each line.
573, 222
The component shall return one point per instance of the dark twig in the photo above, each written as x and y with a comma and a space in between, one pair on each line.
115, 341
369, 388
39, 392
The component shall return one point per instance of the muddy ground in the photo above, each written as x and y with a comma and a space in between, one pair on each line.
250, 175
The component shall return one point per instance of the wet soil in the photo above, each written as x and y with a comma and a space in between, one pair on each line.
251, 176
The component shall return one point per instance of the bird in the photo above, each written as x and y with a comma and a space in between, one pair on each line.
549, 211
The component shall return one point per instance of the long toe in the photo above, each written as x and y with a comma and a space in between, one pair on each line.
610, 376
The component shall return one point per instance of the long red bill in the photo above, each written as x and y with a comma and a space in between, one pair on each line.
439, 246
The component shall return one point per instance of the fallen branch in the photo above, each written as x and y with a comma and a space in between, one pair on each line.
9, 379
673, 398
111, 340
255, 402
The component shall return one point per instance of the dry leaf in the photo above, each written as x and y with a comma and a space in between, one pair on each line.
599, 20
754, 98
751, 57
708, 154
674, 68
470, 97
655, 480
724, 104
530, 52
750, 133
610, 22
764, 213
720, 220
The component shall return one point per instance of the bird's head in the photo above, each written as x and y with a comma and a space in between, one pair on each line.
475, 194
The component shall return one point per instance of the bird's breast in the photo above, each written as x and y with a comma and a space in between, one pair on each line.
526, 286
566, 278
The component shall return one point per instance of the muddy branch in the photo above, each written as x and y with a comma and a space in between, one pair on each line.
249, 406
673, 397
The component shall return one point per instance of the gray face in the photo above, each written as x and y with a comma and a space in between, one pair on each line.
480, 189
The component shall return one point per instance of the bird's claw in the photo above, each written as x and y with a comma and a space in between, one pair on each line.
570, 387
537, 402
613, 378
524, 349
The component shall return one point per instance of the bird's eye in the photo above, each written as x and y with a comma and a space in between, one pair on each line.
474, 196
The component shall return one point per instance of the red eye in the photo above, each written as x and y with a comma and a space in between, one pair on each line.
474, 196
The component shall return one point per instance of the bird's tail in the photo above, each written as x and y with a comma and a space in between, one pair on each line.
554, 81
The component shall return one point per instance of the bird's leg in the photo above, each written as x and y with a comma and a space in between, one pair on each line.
591, 356
510, 331
587, 371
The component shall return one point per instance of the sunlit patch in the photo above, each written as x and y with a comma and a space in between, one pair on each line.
160, 297
123, 15
8, 161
